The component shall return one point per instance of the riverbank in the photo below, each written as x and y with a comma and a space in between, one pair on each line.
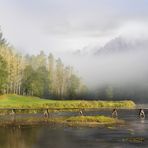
29, 102
74, 121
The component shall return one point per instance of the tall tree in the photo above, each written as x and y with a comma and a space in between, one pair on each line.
73, 87
51, 73
37, 75
27, 80
40, 82
3, 74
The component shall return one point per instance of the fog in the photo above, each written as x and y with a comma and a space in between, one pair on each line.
94, 28
119, 64
115, 68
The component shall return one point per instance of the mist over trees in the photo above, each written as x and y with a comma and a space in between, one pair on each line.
37, 75
109, 75
116, 71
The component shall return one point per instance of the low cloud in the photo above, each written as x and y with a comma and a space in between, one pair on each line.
68, 25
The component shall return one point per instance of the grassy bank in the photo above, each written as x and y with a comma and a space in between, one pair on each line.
91, 121
16, 101
80, 121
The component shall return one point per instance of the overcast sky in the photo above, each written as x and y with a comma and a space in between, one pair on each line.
61, 25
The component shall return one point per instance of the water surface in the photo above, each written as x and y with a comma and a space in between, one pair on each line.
67, 137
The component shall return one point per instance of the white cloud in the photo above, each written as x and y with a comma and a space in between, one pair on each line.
134, 29
68, 25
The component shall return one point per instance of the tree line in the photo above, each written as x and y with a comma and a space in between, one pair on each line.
37, 75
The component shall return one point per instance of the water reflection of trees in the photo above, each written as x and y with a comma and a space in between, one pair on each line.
18, 137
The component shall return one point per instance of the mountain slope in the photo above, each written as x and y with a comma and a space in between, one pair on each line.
121, 45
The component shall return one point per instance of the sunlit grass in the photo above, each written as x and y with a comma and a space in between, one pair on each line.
16, 101
98, 119
89, 121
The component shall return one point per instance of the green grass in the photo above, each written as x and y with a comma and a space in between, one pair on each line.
134, 139
90, 119
16, 101
75, 121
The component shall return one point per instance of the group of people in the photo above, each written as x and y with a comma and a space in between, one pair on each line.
115, 114
141, 113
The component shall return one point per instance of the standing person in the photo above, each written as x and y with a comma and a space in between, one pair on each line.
141, 113
81, 112
13, 114
114, 113
46, 113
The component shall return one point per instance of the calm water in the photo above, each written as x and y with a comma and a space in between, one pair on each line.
67, 137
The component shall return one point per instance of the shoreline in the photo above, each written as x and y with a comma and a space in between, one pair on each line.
73, 121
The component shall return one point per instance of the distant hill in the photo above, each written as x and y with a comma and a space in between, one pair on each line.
119, 45
114, 46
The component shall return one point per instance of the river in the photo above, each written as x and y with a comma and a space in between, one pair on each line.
133, 134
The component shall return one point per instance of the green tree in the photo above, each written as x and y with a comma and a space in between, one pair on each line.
59, 77
51, 73
3, 74
27, 80
73, 86
40, 84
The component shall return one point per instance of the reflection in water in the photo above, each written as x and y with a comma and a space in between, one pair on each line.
66, 137
17, 137
142, 120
